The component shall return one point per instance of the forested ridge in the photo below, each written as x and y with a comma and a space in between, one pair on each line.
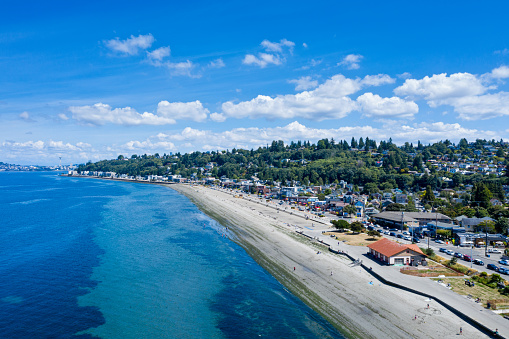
364, 162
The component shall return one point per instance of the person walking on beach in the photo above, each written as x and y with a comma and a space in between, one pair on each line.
461, 331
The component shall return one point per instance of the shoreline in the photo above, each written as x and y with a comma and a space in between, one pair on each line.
346, 299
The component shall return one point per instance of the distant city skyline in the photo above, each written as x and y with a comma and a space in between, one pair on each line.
90, 82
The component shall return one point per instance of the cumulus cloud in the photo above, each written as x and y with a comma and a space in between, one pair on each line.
274, 53
159, 54
465, 92
501, 72
182, 110
351, 61
218, 63
100, 114
253, 137
217, 117
304, 83
262, 60
482, 107
372, 105
277, 46
440, 88
328, 101
62, 116
130, 46
304, 45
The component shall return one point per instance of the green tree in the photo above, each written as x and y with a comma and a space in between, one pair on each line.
395, 207
486, 225
356, 226
502, 225
481, 195
428, 195
340, 224
349, 209
374, 233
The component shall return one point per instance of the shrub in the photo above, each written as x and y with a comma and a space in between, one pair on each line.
483, 274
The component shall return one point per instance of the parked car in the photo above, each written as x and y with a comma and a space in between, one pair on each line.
394, 230
503, 262
492, 267
494, 250
478, 262
438, 241
503, 270
449, 252
467, 257
408, 238
443, 250
387, 232
415, 239
406, 233
399, 235
458, 255
392, 234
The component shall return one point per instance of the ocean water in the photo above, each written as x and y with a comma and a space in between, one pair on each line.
93, 258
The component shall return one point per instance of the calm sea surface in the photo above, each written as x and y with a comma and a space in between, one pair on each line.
86, 258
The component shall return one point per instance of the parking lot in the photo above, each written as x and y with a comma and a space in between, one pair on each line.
474, 253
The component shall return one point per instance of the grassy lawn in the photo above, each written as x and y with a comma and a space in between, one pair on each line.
433, 271
354, 239
477, 291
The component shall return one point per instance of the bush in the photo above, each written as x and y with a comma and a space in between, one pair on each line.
483, 274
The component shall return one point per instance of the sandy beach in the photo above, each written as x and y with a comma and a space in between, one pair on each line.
348, 297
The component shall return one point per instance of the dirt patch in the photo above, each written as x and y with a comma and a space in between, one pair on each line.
353, 239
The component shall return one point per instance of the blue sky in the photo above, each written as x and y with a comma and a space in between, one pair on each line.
92, 80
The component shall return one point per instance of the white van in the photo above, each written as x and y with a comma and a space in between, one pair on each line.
467, 244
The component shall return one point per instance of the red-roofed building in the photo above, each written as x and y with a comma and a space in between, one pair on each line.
394, 253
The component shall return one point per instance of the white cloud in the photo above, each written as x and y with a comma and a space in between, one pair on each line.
328, 101
373, 105
149, 145
274, 55
218, 63
100, 114
482, 107
25, 116
501, 72
159, 54
63, 116
182, 110
304, 83
351, 61
404, 75
130, 46
181, 68
440, 88
217, 117
465, 92
262, 60
253, 137
277, 46
304, 45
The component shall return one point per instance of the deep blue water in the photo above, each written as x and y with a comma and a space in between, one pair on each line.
86, 258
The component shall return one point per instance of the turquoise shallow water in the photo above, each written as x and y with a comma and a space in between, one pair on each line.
125, 260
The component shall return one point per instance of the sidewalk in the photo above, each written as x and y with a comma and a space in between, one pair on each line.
455, 302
